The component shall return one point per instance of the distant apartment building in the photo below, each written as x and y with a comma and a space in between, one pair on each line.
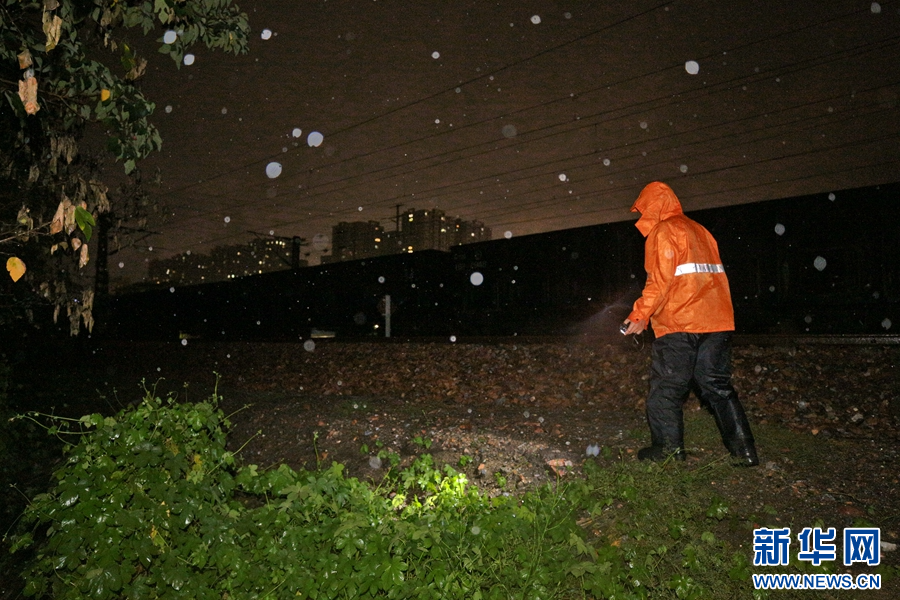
226, 262
358, 239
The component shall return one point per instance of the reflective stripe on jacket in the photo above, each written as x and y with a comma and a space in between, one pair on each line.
686, 289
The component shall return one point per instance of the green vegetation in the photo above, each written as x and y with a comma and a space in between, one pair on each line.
150, 503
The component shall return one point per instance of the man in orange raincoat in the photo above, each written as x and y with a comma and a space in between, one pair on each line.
688, 302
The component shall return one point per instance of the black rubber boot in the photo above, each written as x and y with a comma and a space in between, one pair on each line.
712, 374
660, 453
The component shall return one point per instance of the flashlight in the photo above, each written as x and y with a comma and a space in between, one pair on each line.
623, 328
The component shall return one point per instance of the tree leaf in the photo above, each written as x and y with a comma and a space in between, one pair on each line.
16, 268
85, 221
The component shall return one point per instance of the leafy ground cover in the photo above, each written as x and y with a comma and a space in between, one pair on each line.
499, 446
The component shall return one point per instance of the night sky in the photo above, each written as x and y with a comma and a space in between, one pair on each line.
530, 116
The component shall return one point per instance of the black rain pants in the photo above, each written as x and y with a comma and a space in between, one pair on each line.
703, 359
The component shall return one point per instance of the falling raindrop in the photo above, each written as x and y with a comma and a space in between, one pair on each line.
458, 90
807, 319
475, 529
476, 278
435, 55
314, 139
876, 8
567, 15
184, 342
779, 229
536, 20
271, 232
452, 338
381, 279
121, 265
273, 170
562, 177
437, 121
771, 288
297, 132
692, 67
683, 168
820, 263
228, 219
886, 323
169, 108
188, 59
320, 241
508, 235
170, 37
266, 34
224, 111
309, 345
171, 289
831, 196
606, 162
374, 462
509, 131
643, 124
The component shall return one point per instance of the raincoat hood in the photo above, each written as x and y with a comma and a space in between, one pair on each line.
657, 202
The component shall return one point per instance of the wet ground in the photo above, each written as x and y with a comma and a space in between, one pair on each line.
515, 415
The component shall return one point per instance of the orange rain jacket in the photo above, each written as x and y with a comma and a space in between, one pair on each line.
686, 289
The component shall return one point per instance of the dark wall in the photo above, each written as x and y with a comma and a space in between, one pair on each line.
553, 283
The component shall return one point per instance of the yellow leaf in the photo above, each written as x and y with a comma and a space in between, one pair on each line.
15, 267
25, 59
83, 256
52, 27
28, 95
104, 95
76, 244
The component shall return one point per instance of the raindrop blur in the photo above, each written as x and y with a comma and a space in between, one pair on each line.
886, 323
771, 288
121, 265
508, 235
536, 20
452, 338
435, 55
683, 168
224, 111
271, 232
476, 278
831, 196
170, 37
309, 345
876, 8
297, 132
509, 131
567, 15
381, 279
643, 124
779, 229
228, 219
188, 59
169, 108
820, 263
692, 67
606, 162
320, 241
807, 319
458, 90
562, 177
266, 34
184, 342
273, 170
171, 289
314, 139
374, 462
475, 529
